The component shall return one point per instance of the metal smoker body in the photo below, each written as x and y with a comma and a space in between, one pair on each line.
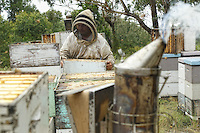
136, 91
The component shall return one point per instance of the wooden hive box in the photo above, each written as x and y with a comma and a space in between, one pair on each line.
192, 108
86, 100
72, 66
169, 67
175, 43
57, 37
23, 102
36, 57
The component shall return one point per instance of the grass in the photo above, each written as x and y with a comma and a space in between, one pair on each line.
173, 120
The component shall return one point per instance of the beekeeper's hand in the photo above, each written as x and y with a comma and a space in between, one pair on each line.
61, 63
108, 65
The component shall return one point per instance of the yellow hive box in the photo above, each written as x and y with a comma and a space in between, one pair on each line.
23, 102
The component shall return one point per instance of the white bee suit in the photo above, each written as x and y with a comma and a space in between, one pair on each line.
76, 48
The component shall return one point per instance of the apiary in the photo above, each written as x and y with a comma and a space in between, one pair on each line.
71, 66
23, 102
84, 101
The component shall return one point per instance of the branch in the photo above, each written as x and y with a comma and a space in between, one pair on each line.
124, 6
106, 7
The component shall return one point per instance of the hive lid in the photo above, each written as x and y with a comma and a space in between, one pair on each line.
193, 61
171, 55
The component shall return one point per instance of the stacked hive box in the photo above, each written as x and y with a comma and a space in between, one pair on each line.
189, 86
23, 102
57, 37
36, 57
82, 111
169, 67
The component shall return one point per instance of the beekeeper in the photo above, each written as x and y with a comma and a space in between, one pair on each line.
85, 43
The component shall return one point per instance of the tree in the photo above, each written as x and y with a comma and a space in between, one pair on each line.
30, 26
131, 36
13, 7
6, 30
135, 9
55, 17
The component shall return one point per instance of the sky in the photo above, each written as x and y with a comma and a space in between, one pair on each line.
44, 7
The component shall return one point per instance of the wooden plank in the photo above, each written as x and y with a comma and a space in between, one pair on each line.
79, 105
11, 89
14, 86
33, 55
16, 82
17, 79
4, 110
10, 92
8, 97
18, 76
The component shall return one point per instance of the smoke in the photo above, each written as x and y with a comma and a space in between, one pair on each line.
182, 17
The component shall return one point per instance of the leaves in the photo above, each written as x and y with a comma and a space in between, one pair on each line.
29, 26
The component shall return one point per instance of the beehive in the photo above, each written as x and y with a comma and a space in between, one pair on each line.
72, 66
169, 67
175, 43
88, 105
23, 102
36, 57
189, 83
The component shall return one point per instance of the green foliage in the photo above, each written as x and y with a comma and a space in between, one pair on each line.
55, 17
6, 30
30, 26
198, 44
131, 37
13, 7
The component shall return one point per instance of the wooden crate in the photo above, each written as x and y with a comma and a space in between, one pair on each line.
48, 38
193, 108
169, 62
172, 76
23, 102
192, 68
88, 97
34, 55
169, 89
72, 66
57, 37
181, 69
175, 43
181, 86
190, 53
181, 102
192, 91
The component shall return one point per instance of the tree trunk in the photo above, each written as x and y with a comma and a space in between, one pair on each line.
154, 17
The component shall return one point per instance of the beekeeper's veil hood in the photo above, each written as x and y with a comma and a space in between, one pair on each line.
85, 17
